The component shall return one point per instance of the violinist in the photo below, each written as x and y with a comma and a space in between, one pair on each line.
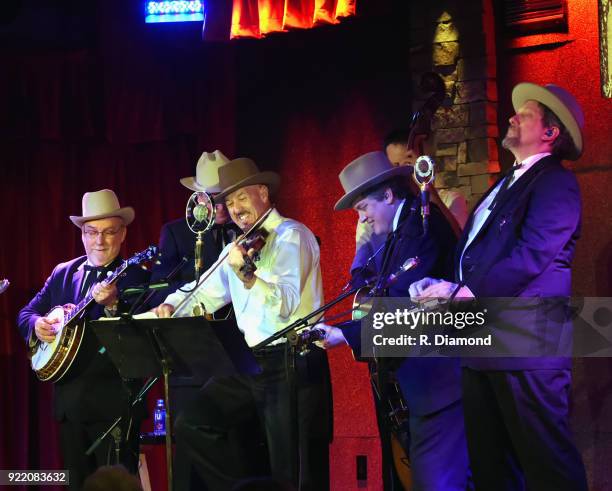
430, 386
284, 285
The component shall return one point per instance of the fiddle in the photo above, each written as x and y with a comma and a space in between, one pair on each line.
246, 236
254, 242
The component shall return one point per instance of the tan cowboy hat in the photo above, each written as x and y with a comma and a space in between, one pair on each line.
363, 173
207, 176
242, 172
102, 204
560, 102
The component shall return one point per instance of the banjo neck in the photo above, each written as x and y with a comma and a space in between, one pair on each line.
88, 300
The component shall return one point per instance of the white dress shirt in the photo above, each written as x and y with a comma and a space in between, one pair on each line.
482, 212
396, 217
288, 283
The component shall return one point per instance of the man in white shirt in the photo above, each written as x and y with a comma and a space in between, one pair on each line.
286, 285
519, 242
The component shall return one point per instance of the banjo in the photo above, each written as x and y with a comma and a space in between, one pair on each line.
51, 361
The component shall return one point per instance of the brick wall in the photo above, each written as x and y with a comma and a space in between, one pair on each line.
456, 39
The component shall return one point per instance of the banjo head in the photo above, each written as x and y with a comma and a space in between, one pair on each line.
45, 351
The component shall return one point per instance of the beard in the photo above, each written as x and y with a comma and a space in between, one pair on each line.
510, 141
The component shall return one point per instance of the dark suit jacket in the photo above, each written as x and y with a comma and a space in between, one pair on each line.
176, 242
525, 247
428, 384
92, 389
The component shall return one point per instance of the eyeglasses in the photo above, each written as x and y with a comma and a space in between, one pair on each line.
109, 233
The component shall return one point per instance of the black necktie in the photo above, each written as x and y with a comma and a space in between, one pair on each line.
504, 185
223, 236
219, 239
93, 273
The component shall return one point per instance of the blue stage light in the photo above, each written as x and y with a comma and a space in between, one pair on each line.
174, 11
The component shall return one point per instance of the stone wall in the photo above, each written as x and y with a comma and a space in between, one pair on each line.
456, 39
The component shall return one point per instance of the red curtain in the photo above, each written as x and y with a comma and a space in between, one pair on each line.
133, 113
81, 121
256, 18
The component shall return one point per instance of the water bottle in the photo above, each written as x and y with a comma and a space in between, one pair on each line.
159, 418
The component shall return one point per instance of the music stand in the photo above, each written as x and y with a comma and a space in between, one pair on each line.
141, 348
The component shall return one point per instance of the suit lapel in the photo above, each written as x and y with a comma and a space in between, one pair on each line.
402, 232
77, 282
468, 226
516, 190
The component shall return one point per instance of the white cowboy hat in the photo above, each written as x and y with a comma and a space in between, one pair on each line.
242, 172
102, 204
207, 176
560, 102
365, 172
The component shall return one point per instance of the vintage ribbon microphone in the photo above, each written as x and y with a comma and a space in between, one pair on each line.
220, 260
200, 216
424, 175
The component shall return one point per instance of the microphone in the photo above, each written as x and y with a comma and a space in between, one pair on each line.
157, 286
200, 215
410, 263
4, 284
143, 288
424, 175
200, 212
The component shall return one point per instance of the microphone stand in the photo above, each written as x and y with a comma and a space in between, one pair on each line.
199, 260
150, 382
139, 398
289, 331
425, 206
424, 177
293, 339
360, 271
139, 303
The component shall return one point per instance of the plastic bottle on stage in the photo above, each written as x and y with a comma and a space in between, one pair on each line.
159, 418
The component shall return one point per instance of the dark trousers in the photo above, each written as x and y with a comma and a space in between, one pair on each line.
438, 451
518, 431
77, 437
204, 428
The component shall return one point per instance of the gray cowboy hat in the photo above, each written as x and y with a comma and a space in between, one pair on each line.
242, 172
560, 102
363, 173
102, 204
207, 175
